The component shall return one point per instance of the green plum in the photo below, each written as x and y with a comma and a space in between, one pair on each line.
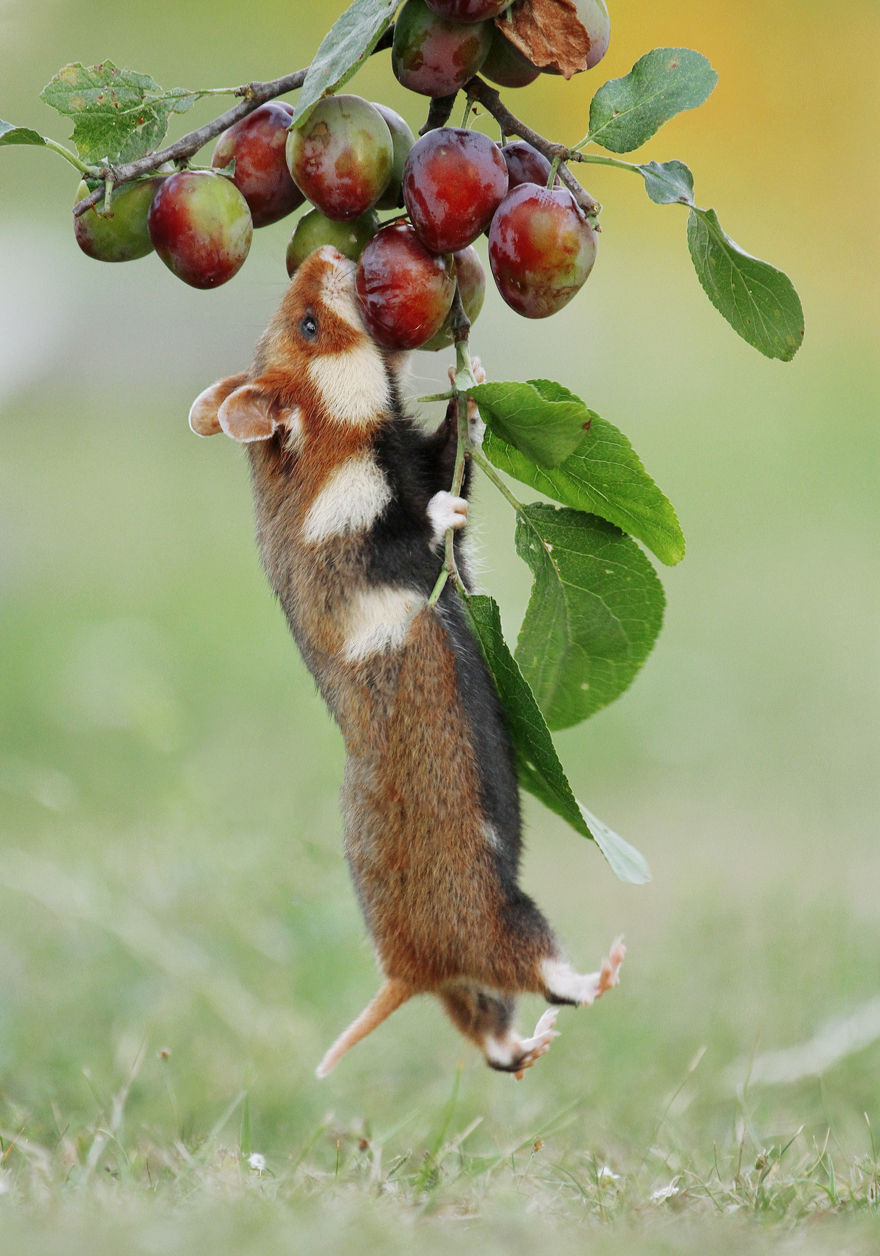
122, 235
314, 230
472, 287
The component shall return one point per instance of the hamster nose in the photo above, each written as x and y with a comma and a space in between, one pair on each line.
331, 255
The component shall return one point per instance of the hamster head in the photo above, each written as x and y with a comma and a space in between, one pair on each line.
316, 362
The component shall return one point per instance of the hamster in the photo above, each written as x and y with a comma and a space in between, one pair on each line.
352, 506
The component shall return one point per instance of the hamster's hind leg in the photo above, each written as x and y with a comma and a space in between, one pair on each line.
564, 985
488, 1020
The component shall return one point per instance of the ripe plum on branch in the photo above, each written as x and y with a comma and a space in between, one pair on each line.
453, 182
257, 146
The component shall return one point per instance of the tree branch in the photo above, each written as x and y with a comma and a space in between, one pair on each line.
490, 99
439, 112
254, 94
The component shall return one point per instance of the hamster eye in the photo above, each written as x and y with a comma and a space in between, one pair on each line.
309, 325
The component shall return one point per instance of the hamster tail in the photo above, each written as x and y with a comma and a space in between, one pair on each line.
389, 998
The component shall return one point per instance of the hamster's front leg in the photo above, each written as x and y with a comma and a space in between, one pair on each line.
445, 512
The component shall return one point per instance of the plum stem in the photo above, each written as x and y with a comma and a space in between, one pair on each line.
439, 113
68, 156
447, 396
599, 159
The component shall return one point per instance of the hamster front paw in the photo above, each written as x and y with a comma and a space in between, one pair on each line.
475, 423
476, 426
445, 512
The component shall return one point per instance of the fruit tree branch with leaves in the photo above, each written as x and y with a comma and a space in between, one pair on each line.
597, 604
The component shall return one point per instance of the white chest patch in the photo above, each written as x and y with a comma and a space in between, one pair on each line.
378, 620
354, 495
353, 385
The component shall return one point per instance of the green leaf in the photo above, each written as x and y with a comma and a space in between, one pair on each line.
537, 763
119, 115
12, 134
758, 301
343, 50
542, 419
604, 476
593, 616
626, 862
668, 182
626, 112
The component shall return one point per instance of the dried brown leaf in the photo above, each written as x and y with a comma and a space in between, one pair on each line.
549, 33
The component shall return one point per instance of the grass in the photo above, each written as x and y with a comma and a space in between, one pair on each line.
349, 1184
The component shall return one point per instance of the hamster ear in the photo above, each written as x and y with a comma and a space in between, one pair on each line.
203, 412
249, 413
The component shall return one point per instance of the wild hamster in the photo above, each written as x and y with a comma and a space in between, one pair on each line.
352, 508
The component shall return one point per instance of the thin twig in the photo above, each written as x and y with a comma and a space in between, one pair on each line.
460, 327
490, 99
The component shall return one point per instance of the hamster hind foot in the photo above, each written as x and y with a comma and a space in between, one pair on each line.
564, 985
527, 1050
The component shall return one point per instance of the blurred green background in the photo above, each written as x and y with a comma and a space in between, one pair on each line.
171, 869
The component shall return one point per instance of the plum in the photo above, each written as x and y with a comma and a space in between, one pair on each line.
314, 230
467, 10
472, 287
525, 164
404, 291
257, 144
593, 15
434, 56
541, 249
402, 140
453, 182
342, 156
122, 235
201, 227
506, 65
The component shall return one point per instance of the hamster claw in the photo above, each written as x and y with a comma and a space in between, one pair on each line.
477, 369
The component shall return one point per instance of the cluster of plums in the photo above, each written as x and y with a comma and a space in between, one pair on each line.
440, 44
351, 158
